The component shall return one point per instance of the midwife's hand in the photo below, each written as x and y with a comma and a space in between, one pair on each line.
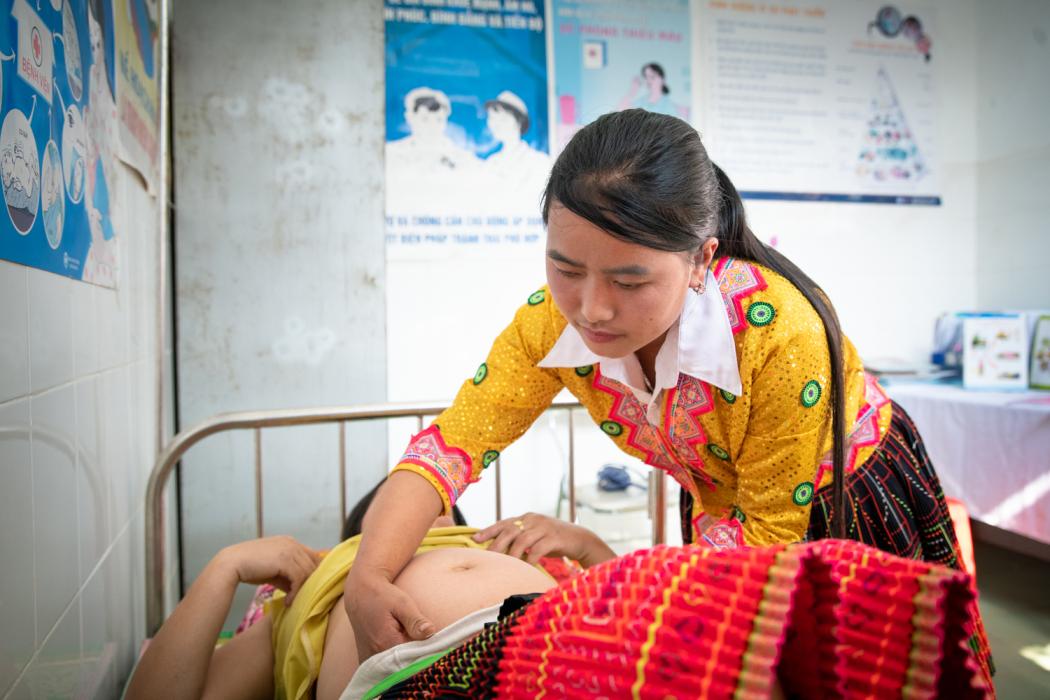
533, 536
381, 614
280, 561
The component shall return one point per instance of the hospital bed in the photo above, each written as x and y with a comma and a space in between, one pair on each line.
157, 540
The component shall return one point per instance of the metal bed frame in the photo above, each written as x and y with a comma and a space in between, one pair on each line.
256, 421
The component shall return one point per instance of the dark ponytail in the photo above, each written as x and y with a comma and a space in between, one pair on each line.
736, 240
646, 178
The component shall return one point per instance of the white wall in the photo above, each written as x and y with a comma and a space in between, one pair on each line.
280, 259
890, 270
1013, 149
77, 441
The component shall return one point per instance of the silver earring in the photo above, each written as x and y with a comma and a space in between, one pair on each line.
699, 289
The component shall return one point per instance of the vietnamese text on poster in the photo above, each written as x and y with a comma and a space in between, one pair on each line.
467, 152
619, 54
58, 137
821, 101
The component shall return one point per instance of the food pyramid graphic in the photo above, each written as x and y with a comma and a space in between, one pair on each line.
888, 152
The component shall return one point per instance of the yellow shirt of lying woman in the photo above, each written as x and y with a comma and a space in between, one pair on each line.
299, 631
755, 459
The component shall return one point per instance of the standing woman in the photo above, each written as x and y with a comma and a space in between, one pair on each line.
697, 349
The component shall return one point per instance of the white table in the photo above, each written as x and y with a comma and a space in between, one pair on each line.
991, 450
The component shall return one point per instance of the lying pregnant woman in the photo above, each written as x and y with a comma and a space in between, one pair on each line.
305, 646
831, 618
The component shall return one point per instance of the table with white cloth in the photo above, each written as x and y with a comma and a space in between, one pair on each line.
991, 450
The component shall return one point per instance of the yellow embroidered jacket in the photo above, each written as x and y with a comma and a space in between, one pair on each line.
751, 462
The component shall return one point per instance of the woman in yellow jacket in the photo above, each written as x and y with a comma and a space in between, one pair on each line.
697, 349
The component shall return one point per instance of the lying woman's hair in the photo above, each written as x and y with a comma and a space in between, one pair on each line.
646, 178
356, 518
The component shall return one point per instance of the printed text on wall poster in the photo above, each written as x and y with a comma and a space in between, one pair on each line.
821, 101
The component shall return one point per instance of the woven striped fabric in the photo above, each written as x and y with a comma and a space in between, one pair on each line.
815, 620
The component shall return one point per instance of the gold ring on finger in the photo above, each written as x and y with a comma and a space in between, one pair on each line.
520, 524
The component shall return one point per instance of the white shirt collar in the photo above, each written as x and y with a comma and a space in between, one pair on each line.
700, 344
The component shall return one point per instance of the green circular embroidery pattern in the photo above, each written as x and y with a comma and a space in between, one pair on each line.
811, 393
760, 313
803, 493
727, 396
611, 428
718, 452
584, 371
735, 512
489, 457
537, 297
479, 376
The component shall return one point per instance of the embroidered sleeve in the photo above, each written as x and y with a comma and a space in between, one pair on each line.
493, 408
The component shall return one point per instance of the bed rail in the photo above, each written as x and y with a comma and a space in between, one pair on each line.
256, 421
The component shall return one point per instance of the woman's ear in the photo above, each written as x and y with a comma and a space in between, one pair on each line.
702, 260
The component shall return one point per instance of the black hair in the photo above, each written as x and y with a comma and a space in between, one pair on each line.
356, 518
521, 117
431, 103
646, 178
659, 70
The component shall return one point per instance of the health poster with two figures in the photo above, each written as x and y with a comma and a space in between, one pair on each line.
467, 151
60, 136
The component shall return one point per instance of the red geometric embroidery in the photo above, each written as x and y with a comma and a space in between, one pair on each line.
865, 430
685, 404
451, 466
721, 534
737, 280
641, 435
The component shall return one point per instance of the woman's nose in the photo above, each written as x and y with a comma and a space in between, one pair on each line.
595, 305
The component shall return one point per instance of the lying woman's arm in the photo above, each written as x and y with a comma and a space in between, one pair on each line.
179, 661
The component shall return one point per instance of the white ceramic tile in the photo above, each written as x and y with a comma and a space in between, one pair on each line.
100, 613
55, 525
18, 640
85, 330
92, 477
50, 330
119, 580
141, 441
20, 692
114, 456
55, 672
112, 327
14, 332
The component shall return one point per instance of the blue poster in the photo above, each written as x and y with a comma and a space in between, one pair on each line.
58, 137
467, 151
619, 54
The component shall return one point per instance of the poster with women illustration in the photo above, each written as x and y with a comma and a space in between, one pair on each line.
467, 152
58, 137
619, 55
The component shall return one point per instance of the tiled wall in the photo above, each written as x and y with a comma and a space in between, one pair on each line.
77, 440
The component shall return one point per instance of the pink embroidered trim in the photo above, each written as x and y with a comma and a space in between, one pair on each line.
865, 431
726, 533
737, 280
688, 401
451, 466
641, 435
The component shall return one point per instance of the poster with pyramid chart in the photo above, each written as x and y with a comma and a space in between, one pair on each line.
824, 101
889, 151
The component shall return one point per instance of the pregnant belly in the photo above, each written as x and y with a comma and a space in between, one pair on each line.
446, 584
450, 583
